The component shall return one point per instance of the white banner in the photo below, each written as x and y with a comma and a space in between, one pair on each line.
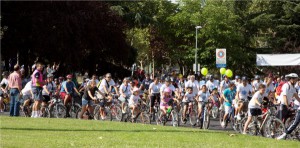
277, 59
221, 58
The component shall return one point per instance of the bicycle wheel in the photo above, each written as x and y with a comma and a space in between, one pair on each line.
175, 118
74, 109
242, 124
214, 112
206, 122
59, 111
275, 127
78, 113
5, 108
222, 113
143, 118
116, 113
252, 128
108, 115
45, 112
193, 117
97, 115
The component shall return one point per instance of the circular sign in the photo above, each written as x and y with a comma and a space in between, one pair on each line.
221, 54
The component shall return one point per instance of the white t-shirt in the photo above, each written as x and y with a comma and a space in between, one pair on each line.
155, 88
244, 91
188, 97
236, 82
288, 90
27, 88
224, 85
211, 85
259, 97
104, 84
256, 84
134, 100
4, 81
203, 96
50, 87
194, 85
162, 88
269, 88
125, 89
97, 81
201, 83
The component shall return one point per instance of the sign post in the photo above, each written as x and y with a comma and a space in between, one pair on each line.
221, 58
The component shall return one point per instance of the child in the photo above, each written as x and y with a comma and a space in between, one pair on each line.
166, 102
133, 102
187, 101
2, 92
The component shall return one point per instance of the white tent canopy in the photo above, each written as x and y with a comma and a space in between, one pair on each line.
278, 59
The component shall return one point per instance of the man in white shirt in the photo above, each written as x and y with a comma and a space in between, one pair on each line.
224, 84
256, 82
106, 86
243, 92
125, 93
288, 92
211, 83
193, 84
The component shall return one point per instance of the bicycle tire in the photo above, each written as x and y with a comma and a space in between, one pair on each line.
97, 115
175, 118
207, 120
108, 115
116, 112
215, 112
59, 111
193, 117
45, 113
143, 118
74, 109
295, 135
242, 124
275, 127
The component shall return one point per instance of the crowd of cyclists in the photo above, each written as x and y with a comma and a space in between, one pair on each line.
266, 105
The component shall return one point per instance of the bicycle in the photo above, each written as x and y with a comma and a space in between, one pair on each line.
173, 116
205, 117
6, 102
229, 119
57, 108
191, 114
295, 135
73, 108
270, 126
154, 116
115, 108
107, 112
215, 111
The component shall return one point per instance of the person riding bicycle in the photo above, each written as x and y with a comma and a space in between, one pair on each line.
203, 98
3, 89
256, 82
88, 98
224, 84
211, 83
146, 83
27, 95
106, 86
187, 101
288, 93
67, 91
167, 84
243, 93
125, 91
154, 93
228, 96
49, 89
237, 80
193, 84
134, 102
166, 102
254, 107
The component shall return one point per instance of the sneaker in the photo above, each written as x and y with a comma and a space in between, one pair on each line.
123, 111
223, 124
282, 137
221, 107
235, 116
244, 133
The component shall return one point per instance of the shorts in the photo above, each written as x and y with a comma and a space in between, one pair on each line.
228, 109
154, 97
186, 103
254, 112
201, 104
1, 93
37, 93
87, 102
26, 97
46, 98
63, 94
123, 100
102, 102
282, 112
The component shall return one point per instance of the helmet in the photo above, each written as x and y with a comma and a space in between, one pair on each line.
69, 76
257, 77
244, 78
167, 90
291, 75
237, 77
167, 79
49, 75
61, 78
136, 89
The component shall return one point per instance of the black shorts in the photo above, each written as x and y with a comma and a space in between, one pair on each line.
46, 98
283, 112
154, 97
102, 102
254, 112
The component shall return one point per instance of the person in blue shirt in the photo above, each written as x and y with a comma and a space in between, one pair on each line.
228, 96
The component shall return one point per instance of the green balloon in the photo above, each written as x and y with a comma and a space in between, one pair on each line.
228, 73
204, 71
222, 71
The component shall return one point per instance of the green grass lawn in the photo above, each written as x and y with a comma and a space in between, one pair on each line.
42, 132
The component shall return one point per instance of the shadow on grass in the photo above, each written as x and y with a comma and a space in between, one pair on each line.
109, 130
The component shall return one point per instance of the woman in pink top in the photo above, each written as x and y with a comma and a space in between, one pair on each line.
15, 85
166, 102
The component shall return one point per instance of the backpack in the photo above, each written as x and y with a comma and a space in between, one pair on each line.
279, 88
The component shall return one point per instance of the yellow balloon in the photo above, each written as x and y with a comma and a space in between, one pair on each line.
228, 73
222, 71
204, 71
